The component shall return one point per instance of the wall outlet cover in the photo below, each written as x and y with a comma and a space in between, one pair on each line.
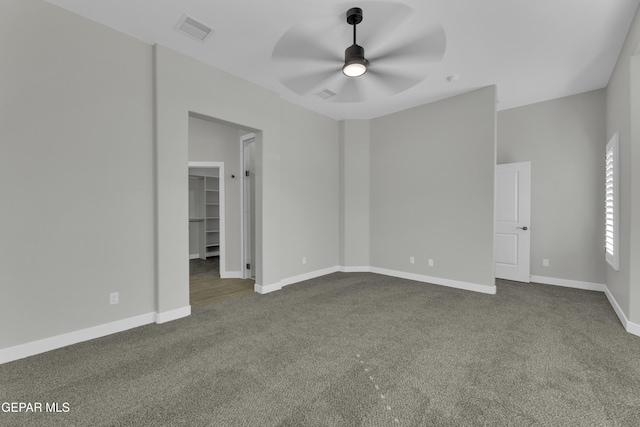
114, 298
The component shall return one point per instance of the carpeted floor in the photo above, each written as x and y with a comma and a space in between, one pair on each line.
352, 349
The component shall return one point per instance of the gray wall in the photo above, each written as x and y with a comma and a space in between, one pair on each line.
76, 184
355, 159
634, 252
432, 188
622, 119
215, 142
308, 191
563, 139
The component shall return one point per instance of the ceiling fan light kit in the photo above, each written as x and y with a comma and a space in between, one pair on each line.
355, 63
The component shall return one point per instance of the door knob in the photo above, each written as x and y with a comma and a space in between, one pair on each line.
523, 228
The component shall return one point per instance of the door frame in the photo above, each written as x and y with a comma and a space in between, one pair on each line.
220, 167
245, 272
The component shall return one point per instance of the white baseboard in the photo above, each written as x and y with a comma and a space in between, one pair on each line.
265, 289
616, 308
588, 286
41, 346
178, 313
194, 256
485, 289
352, 269
630, 327
231, 275
59, 341
308, 276
262, 289
633, 328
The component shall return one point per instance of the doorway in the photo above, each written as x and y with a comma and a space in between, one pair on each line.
206, 219
207, 248
224, 148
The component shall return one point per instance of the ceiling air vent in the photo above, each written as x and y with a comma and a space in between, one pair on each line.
193, 28
325, 94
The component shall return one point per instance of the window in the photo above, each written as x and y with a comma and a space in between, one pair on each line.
611, 203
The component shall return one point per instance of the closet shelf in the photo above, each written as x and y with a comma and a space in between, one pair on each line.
204, 215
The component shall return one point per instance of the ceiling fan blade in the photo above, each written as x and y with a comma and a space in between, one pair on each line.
382, 69
389, 83
306, 84
382, 20
301, 43
427, 47
304, 51
290, 65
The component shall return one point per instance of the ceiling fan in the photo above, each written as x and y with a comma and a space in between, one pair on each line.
355, 64
402, 44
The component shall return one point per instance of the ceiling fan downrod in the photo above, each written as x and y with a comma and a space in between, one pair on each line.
355, 63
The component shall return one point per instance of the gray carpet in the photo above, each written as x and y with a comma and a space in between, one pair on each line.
351, 350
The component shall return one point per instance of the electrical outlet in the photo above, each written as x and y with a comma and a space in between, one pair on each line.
114, 298
545, 262
430, 262
304, 259
412, 260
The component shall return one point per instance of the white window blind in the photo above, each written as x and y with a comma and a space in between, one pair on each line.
611, 203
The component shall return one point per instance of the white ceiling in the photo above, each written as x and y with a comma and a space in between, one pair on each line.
532, 50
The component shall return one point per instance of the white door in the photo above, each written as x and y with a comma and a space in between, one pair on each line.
513, 215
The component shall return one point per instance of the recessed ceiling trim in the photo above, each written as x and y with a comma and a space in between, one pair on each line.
193, 28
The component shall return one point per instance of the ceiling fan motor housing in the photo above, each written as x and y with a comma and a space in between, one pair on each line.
354, 16
354, 52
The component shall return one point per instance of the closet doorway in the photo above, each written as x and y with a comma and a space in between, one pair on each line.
217, 181
207, 282
206, 219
